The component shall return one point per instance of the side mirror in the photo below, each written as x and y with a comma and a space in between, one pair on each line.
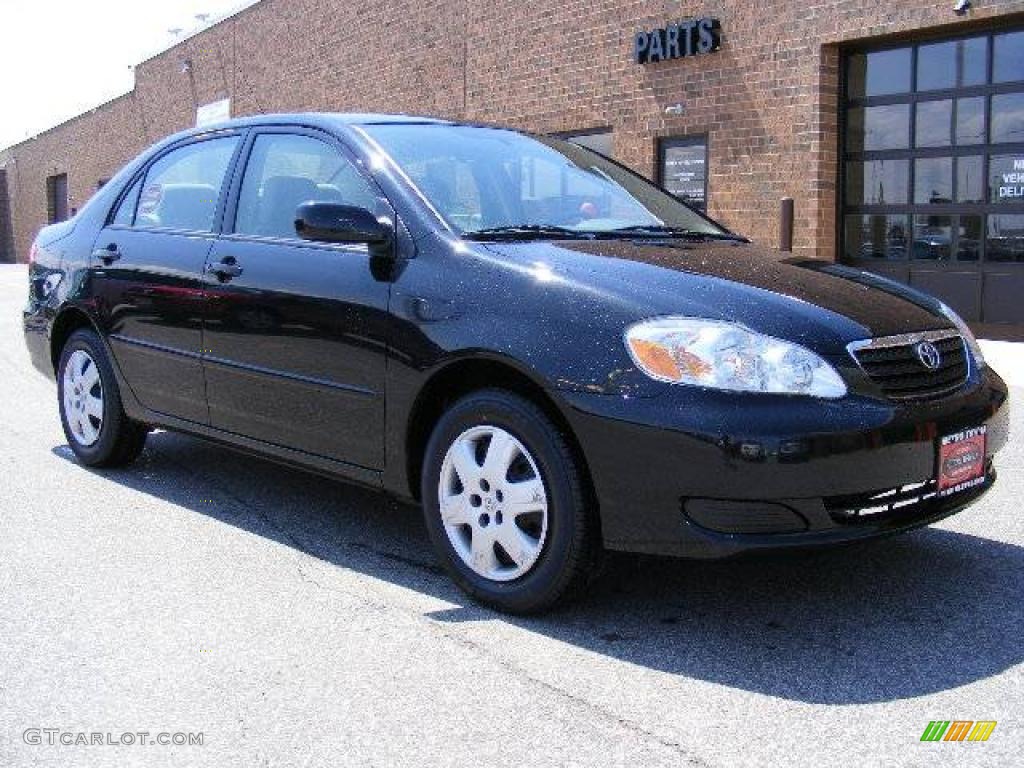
336, 223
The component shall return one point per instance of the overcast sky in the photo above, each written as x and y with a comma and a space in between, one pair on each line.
59, 58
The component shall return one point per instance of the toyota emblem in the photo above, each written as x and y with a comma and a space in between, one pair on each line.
929, 355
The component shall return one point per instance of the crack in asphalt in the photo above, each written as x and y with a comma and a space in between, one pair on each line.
381, 605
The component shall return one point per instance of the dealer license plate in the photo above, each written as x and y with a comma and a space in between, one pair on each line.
961, 461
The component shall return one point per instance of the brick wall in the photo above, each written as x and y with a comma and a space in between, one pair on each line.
6, 234
767, 100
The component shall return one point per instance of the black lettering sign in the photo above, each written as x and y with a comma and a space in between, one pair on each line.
687, 38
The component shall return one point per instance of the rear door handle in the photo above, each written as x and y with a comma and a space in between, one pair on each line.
225, 269
107, 255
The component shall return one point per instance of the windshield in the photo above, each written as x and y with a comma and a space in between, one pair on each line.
485, 179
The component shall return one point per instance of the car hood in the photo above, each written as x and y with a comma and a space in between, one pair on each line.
818, 303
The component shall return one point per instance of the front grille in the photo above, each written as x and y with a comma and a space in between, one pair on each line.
894, 365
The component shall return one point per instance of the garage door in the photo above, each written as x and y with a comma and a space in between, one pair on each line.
933, 169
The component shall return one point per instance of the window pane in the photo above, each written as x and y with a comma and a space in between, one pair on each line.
876, 237
1006, 175
934, 119
933, 180
126, 210
877, 182
972, 55
932, 237
936, 66
970, 186
872, 128
1005, 237
1008, 57
182, 187
970, 120
968, 243
1008, 117
880, 72
285, 171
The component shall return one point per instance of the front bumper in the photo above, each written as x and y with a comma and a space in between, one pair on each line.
700, 473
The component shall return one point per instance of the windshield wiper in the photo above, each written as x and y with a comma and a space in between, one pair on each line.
523, 231
661, 230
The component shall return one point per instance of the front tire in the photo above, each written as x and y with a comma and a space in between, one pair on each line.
505, 504
97, 429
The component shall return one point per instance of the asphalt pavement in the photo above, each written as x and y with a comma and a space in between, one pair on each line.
290, 620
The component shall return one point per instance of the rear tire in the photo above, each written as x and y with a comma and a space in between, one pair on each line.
517, 533
95, 424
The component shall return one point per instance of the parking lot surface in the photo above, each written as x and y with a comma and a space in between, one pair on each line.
296, 621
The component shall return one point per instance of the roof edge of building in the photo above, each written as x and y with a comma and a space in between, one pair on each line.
243, 7
74, 118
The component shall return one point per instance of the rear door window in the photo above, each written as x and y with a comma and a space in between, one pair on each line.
181, 189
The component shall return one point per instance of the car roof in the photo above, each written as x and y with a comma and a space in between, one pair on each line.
329, 121
320, 119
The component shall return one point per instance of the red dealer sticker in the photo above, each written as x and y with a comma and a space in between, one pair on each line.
961, 461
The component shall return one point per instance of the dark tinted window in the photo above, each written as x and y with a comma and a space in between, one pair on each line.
936, 66
970, 184
950, 179
876, 237
1008, 57
932, 126
876, 128
933, 238
972, 58
1005, 241
968, 242
933, 180
877, 182
879, 72
182, 187
284, 171
970, 120
1008, 117
951, 64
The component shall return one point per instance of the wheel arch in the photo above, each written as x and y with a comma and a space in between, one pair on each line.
67, 321
464, 376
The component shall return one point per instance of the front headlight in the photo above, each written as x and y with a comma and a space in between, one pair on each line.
961, 326
721, 355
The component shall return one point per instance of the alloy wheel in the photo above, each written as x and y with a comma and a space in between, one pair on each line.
83, 397
493, 503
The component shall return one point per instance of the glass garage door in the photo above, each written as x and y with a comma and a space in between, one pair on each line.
933, 169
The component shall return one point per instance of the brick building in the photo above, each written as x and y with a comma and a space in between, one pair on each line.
897, 128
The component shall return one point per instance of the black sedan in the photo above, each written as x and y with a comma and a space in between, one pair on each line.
551, 354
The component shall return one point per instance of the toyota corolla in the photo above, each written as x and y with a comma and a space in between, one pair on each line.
552, 355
